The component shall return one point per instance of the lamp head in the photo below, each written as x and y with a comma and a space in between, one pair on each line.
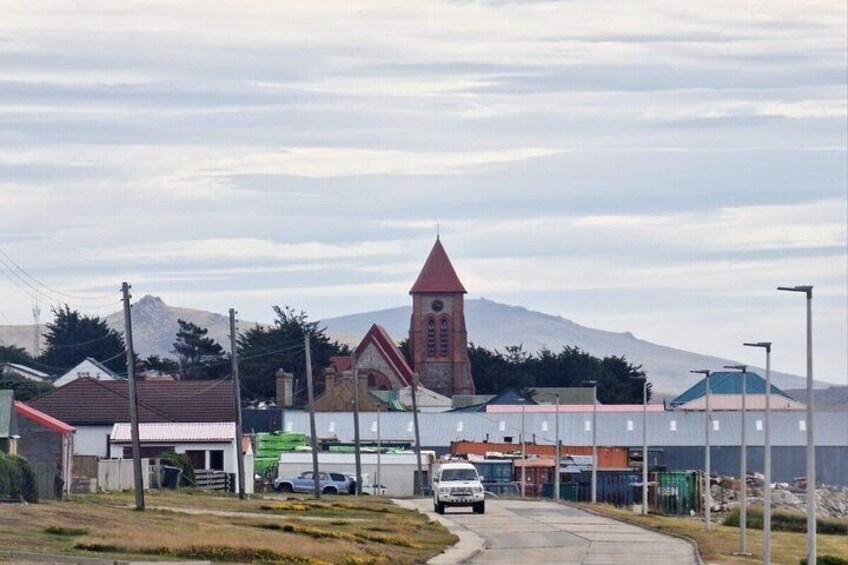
743, 368
764, 344
705, 372
800, 288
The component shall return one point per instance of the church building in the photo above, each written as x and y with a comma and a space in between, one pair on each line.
438, 340
438, 349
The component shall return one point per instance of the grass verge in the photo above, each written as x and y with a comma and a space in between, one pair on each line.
333, 531
718, 545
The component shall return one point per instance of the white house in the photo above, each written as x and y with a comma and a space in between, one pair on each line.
87, 369
208, 445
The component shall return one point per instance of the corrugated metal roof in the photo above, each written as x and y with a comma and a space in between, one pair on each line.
177, 432
614, 429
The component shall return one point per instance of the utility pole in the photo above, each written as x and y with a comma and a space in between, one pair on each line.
237, 401
419, 480
523, 451
313, 440
557, 453
379, 452
645, 447
357, 453
136, 442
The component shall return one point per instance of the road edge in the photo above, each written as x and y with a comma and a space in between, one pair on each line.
469, 546
699, 559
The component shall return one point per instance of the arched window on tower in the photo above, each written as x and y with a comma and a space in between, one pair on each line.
443, 338
431, 337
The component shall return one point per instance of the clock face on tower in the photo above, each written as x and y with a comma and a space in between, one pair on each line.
437, 305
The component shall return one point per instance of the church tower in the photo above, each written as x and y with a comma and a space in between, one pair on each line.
438, 340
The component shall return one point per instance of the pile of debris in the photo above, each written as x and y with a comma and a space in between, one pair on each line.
831, 501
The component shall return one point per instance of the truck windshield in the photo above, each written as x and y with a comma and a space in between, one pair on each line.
459, 475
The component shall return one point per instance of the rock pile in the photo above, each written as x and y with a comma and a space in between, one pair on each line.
831, 501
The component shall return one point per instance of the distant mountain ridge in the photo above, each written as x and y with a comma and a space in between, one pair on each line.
495, 326
490, 324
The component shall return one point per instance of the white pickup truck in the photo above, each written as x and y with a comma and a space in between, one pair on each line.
458, 484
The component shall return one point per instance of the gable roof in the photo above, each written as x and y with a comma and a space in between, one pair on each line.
92, 402
379, 337
508, 396
45, 420
437, 274
74, 373
726, 382
101, 366
27, 372
8, 423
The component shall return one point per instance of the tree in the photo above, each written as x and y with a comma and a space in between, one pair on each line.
23, 388
158, 364
619, 382
263, 350
200, 356
72, 337
14, 354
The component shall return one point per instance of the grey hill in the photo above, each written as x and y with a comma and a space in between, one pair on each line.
490, 324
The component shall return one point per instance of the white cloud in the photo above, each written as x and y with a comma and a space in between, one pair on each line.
246, 249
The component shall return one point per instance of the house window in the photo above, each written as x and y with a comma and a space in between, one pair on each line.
197, 458
216, 459
431, 337
443, 338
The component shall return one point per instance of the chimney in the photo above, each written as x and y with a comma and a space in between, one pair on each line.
284, 388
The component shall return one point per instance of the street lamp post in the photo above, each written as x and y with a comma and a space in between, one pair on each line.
644, 444
811, 446
557, 454
594, 439
523, 452
766, 456
707, 488
743, 465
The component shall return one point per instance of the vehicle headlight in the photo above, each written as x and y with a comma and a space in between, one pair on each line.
444, 490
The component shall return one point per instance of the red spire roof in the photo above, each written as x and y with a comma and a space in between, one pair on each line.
437, 275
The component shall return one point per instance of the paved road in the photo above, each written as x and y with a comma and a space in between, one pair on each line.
534, 532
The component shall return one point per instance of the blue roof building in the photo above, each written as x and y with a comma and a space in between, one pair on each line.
727, 382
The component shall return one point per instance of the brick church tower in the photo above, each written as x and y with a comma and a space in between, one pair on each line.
438, 340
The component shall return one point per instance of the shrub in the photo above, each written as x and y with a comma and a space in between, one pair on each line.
17, 479
787, 522
60, 531
183, 462
827, 560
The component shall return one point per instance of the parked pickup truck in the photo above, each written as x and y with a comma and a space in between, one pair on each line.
330, 483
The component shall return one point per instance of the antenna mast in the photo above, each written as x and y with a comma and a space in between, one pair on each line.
36, 332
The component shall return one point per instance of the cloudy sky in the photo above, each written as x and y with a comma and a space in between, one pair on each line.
654, 166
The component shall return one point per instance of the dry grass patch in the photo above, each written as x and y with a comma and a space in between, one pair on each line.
718, 545
369, 533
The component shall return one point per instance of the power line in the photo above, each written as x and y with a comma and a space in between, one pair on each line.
53, 290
